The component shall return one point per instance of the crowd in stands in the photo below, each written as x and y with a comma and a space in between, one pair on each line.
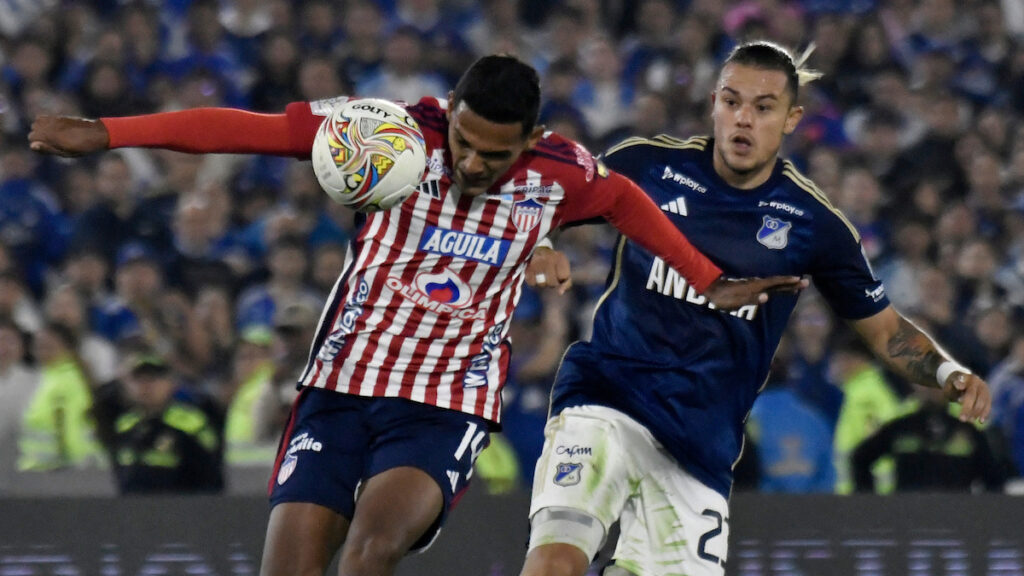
125, 271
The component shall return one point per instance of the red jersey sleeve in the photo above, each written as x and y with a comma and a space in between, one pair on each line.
620, 201
219, 130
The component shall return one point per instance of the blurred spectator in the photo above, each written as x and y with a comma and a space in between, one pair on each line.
402, 76
318, 33
302, 214
87, 270
214, 316
1007, 385
31, 224
868, 403
276, 79
326, 267
860, 199
688, 69
602, 95
934, 153
118, 217
793, 443
932, 451
910, 257
976, 288
807, 367
497, 29
66, 306
558, 111
867, 54
157, 442
293, 329
206, 251
17, 305
244, 22
937, 316
252, 373
58, 430
18, 383
994, 329
563, 36
651, 40
138, 280
202, 50
287, 263
319, 79
361, 50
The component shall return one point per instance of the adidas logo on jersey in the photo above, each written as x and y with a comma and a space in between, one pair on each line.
677, 206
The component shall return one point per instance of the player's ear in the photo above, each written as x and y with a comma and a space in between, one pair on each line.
714, 97
448, 109
793, 118
535, 136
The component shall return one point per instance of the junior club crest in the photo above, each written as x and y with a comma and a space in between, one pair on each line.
526, 214
287, 467
774, 233
568, 474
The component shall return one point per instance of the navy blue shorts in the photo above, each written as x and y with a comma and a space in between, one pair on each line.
335, 441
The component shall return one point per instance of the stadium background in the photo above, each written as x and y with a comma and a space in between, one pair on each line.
220, 263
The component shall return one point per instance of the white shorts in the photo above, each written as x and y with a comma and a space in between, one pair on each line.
601, 462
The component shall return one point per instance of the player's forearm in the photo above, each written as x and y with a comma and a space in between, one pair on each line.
904, 347
637, 217
206, 130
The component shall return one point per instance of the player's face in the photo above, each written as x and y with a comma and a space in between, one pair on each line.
483, 150
752, 111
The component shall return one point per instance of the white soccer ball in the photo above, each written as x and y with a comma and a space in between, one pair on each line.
369, 155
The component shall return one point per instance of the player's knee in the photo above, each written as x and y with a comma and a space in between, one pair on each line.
562, 541
371, 555
555, 560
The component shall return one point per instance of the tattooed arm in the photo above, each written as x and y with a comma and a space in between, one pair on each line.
906, 349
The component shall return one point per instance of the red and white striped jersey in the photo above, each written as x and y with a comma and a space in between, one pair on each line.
422, 309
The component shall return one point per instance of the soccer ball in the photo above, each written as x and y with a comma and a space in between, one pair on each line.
369, 155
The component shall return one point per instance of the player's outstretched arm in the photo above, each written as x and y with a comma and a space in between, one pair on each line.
67, 136
195, 131
732, 293
913, 354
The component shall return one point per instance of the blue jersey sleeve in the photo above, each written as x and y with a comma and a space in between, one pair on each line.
842, 273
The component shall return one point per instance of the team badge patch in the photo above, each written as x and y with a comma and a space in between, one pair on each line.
774, 233
526, 214
287, 467
568, 474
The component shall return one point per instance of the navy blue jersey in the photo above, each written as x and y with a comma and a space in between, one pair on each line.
659, 352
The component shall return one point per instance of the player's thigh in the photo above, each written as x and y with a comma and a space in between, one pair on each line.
301, 539
582, 479
421, 455
393, 512
676, 525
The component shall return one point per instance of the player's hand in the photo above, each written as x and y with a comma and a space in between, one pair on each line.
67, 136
548, 268
972, 393
732, 293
